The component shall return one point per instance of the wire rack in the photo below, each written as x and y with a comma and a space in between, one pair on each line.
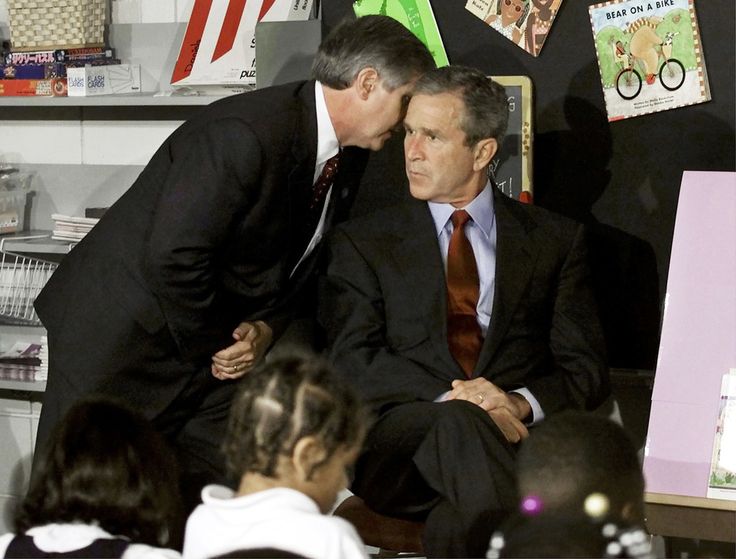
21, 279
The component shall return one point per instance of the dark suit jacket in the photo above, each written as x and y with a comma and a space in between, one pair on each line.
207, 235
383, 305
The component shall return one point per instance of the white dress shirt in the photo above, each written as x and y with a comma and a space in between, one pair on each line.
327, 147
481, 232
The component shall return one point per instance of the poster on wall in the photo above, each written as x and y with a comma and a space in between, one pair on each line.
524, 22
416, 15
649, 56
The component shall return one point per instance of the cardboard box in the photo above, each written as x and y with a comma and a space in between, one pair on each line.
219, 42
103, 80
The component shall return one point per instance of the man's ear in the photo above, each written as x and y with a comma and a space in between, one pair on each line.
308, 452
483, 152
365, 82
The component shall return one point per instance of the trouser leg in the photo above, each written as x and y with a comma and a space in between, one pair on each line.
447, 462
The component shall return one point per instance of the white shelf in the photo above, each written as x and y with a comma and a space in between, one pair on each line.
25, 386
35, 242
131, 99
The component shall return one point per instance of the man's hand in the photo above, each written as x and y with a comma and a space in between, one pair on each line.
507, 410
252, 339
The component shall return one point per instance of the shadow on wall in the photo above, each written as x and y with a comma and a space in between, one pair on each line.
571, 173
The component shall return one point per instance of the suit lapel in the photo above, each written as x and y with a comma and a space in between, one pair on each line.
515, 258
418, 258
304, 152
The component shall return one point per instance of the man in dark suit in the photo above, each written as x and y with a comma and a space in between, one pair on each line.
186, 280
461, 328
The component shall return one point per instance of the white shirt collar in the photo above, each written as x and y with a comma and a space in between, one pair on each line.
481, 210
327, 144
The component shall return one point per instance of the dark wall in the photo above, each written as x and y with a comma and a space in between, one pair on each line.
621, 178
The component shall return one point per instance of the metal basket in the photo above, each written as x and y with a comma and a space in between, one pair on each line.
21, 280
55, 24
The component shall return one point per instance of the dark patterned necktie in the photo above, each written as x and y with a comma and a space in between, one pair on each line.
319, 191
464, 335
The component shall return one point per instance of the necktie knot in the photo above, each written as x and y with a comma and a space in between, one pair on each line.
459, 218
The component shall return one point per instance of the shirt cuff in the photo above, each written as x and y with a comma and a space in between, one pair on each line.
537, 413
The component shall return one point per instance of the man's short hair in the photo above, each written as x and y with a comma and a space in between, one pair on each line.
377, 42
575, 454
486, 112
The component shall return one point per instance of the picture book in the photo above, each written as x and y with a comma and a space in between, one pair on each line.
525, 22
722, 481
649, 55
416, 15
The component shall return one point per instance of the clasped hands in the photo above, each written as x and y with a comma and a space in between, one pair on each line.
506, 409
252, 339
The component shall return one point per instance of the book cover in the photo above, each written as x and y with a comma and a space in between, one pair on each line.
416, 15
722, 481
649, 56
524, 22
27, 88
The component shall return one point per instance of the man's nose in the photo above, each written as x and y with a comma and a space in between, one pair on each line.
412, 147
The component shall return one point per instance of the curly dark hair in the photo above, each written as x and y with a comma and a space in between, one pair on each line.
105, 464
289, 397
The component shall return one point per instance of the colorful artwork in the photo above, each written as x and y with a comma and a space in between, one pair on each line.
525, 22
649, 56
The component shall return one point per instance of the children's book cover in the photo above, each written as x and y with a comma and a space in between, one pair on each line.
416, 15
525, 22
649, 55
722, 482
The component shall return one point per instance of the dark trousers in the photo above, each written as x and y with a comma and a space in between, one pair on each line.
444, 463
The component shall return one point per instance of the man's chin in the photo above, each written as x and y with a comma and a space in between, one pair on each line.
417, 192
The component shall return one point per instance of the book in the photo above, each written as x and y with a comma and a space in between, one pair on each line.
722, 480
416, 15
71, 228
649, 56
85, 54
524, 22
55, 87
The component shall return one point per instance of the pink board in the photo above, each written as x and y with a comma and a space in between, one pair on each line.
698, 343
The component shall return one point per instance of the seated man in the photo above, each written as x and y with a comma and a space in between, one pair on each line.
459, 336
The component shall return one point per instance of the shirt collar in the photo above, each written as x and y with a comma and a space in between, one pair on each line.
481, 210
327, 144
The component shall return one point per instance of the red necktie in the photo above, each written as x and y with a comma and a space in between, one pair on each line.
320, 190
463, 289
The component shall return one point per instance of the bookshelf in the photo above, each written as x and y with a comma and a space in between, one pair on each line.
84, 152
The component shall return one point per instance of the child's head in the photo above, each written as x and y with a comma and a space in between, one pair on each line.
576, 463
294, 423
105, 465
558, 535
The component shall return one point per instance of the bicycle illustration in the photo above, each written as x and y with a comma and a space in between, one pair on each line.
629, 80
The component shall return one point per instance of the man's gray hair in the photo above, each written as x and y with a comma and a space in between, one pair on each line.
377, 42
486, 107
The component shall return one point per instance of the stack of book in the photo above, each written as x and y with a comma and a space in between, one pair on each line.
44, 72
23, 362
71, 228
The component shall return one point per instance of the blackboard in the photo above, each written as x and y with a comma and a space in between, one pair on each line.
512, 167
